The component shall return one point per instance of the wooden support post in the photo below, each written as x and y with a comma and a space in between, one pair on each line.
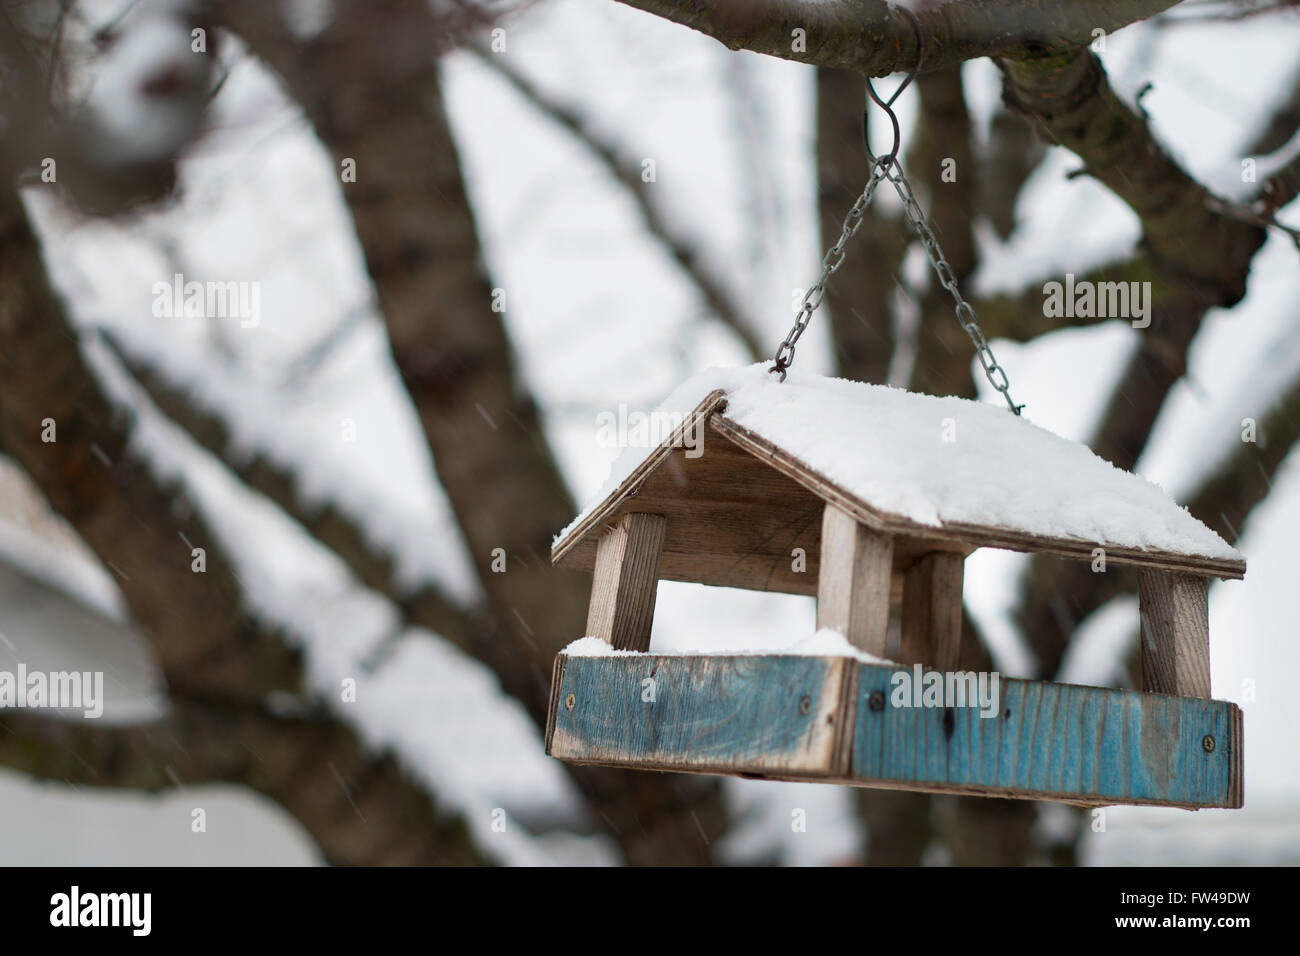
853, 586
1175, 633
932, 611
626, 578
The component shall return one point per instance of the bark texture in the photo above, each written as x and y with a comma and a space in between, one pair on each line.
873, 38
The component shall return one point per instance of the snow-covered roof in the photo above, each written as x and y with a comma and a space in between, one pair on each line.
950, 470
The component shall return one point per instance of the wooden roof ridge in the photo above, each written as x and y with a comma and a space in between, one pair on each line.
714, 401
961, 536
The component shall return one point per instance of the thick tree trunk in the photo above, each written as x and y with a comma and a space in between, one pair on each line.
370, 85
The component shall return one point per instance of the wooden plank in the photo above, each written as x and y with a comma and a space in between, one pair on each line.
1085, 745
723, 714
557, 677
1175, 614
932, 606
601, 516
831, 720
1237, 794
623, 589
854, 579
734, 522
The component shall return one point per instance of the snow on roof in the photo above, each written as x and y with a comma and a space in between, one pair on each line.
936, 461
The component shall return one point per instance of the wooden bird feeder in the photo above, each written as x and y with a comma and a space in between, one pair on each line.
764, 487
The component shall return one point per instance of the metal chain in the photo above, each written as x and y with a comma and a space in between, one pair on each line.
833, 259
887, 167
994, 372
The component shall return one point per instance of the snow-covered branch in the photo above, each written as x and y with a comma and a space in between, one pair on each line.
359, 806
336, 529
456, 360
219, 663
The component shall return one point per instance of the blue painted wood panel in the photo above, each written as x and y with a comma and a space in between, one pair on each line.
834, 719
1085, 744
750, 714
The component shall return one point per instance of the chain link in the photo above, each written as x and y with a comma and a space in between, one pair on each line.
833, 259
887, 167
966, 317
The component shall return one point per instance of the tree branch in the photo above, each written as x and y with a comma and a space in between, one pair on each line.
860, 296
1012, 154
626, 171
1070, 100
372, 91
872, 38
37, 128
1056, 596
361, 808
338, 531
219, 665
143, 531
1225, 499
1281, 188
1280, 125
1020, 317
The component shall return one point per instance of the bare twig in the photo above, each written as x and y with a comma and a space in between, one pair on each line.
627, 172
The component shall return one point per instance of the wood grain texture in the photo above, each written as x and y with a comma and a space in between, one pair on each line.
931, 617
831, 720
737, 511
1175, 633
1237, 788
718, 714
557, 678
732, 522
854, 581
1083, 745
626, 581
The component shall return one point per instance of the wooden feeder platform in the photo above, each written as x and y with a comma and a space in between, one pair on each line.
734, 515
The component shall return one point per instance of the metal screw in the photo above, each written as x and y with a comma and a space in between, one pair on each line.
876, 701
805, 704
569, 701
1208, 743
